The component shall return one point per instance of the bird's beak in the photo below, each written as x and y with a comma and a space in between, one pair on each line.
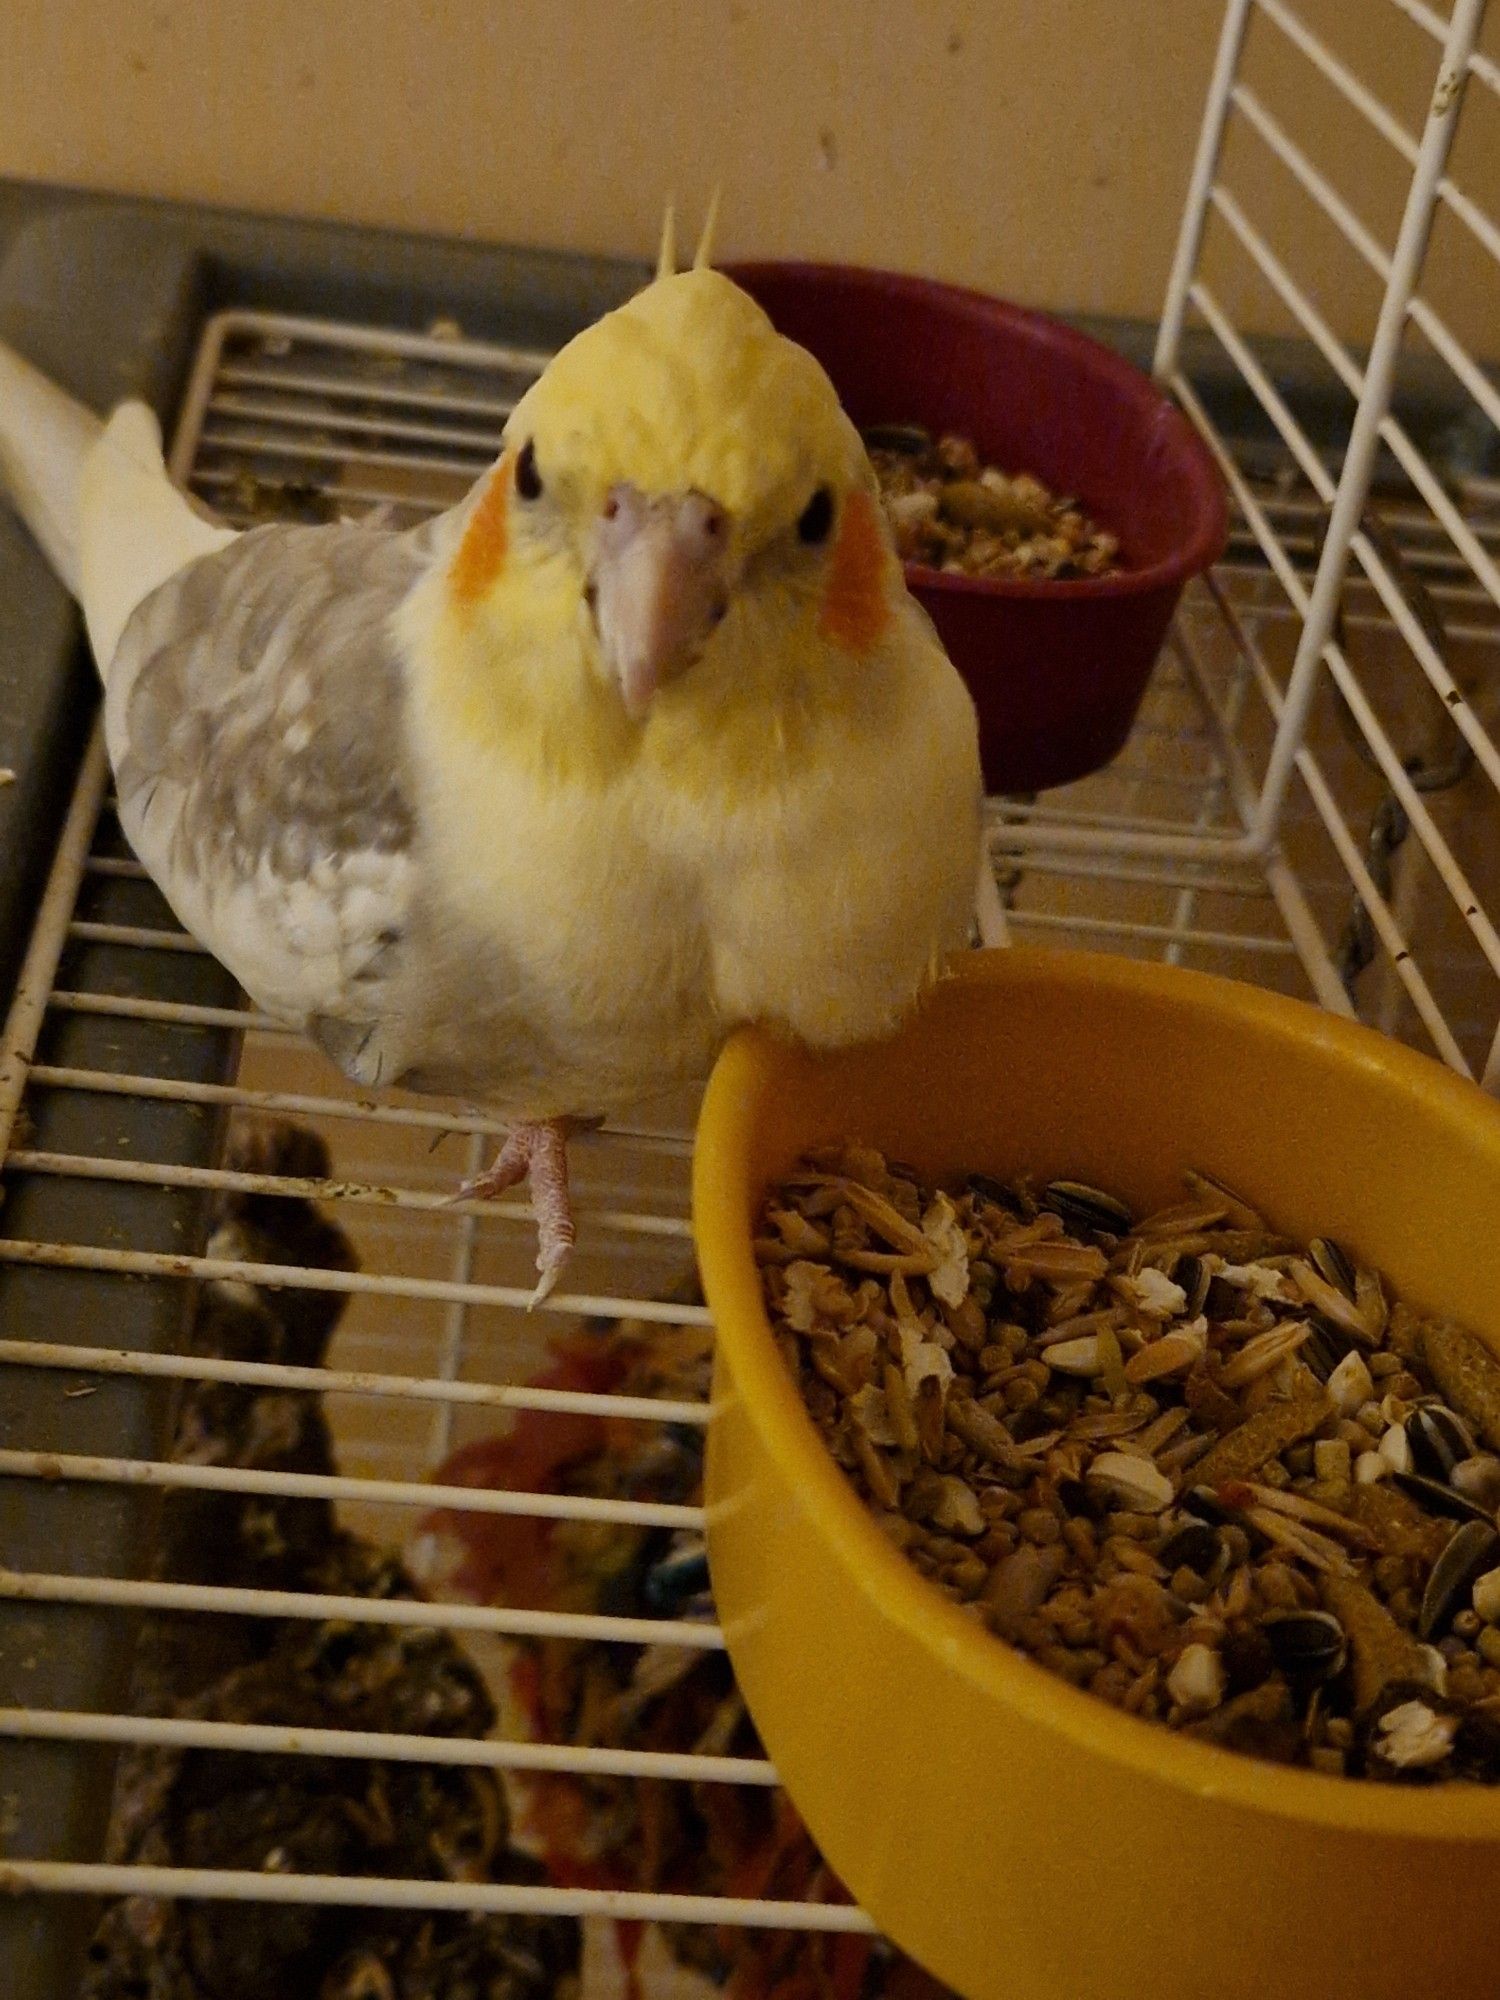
660, 584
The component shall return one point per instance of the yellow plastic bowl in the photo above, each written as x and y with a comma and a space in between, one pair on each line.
1019, 1838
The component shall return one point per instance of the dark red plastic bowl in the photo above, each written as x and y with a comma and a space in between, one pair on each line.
1057, 670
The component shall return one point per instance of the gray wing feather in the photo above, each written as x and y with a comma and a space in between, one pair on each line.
255, 725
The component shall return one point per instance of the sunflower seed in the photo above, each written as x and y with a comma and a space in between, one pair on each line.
1194, 1276
1082, 1206
1438, 1439
1330, 1261
1441, 1499
1325, 1349
1327, 1299
1471, 1550
1369, 1296
908, 438
986, 1188
1240, 1213
1308, 1646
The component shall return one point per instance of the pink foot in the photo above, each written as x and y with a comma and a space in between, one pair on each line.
537, 1153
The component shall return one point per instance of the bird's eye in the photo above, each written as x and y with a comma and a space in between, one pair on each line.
528, 479
816, 518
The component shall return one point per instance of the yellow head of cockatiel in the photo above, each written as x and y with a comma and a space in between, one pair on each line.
683, 498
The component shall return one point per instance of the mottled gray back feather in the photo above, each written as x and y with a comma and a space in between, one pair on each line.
255, 724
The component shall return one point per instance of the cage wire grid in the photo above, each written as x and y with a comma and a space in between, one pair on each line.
1309, 800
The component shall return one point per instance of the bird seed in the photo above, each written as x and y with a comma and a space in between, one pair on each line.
1225, 1482
950, 511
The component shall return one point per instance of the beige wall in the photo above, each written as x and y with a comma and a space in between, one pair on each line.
1036, 147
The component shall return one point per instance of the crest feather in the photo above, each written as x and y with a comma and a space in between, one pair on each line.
666, 256
703, 255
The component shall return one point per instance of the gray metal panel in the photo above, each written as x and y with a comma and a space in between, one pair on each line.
47, 696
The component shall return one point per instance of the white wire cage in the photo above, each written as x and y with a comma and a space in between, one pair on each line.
1311, 800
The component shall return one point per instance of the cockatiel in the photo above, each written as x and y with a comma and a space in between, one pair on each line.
532, 804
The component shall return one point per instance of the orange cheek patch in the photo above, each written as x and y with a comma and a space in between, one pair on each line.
854, 611
481, 553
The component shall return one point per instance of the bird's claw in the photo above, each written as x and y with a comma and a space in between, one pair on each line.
551, 1269
508, 1169
538, 1153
